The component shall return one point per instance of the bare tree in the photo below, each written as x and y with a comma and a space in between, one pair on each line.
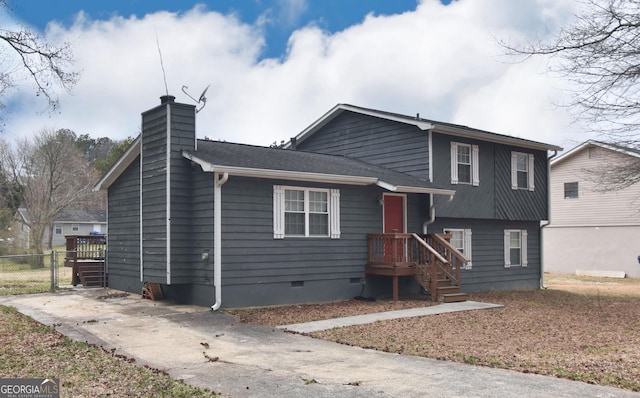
46, 64
52, 174
599, 51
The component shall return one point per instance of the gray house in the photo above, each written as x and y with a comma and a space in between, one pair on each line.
67, 222
356, 204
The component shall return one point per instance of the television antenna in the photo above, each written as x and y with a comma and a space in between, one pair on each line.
201, 99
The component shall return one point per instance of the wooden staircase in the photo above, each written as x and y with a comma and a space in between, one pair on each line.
432, 260
446, 290
89, 273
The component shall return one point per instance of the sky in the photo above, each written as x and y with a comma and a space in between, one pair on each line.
275, 66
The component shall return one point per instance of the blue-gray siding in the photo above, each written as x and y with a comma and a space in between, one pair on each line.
396, 146
487, 251
123, 249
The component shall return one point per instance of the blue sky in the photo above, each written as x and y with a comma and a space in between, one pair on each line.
330, 15
275, 66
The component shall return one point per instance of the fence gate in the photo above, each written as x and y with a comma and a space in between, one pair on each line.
31, 273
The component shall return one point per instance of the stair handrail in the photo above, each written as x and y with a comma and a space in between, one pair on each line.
457, 253
433, 251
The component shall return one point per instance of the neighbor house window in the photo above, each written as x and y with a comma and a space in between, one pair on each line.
306, 212
570, 190
58, 228
461, 240
75, 227
464, 164
522, 170
515, 248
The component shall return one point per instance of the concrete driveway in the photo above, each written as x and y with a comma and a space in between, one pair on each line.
215, 351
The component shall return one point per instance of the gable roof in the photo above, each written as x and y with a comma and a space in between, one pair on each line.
77, 216
593, 143
424, 125
262, 162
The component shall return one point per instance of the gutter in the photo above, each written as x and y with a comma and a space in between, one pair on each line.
217, 236
544, 223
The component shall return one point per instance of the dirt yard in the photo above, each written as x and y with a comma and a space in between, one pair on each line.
585, 329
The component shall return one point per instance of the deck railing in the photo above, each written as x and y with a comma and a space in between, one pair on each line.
86, 255
430, 259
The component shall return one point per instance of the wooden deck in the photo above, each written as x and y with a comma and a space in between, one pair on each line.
432, 261
86, 255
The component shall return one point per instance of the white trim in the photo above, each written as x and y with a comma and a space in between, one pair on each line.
531, 175
514, 170
468, 247
310, 177
140, 186
523, 248
475, 165
168, 194
424, 125
404, 210
334, 214
507, 248
530, 162
454, 162
591, 143
466, 243
120, 165
278, 212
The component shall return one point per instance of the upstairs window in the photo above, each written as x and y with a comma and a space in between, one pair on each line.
461, 240
464, 164
515, 248
522, 166
58, 228
570, 190
306, 212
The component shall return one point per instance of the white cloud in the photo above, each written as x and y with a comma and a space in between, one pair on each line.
440, 61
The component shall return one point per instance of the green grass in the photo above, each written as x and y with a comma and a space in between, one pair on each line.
29, 349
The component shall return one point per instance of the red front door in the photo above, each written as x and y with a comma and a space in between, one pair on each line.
393, 214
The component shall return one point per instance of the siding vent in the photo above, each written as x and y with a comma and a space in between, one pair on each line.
297, 284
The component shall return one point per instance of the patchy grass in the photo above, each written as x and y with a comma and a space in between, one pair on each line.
29, 349
584, 329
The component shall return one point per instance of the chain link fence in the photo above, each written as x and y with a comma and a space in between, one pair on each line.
33, 273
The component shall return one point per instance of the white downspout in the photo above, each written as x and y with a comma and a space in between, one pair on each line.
432, 213
217, 236
544, 223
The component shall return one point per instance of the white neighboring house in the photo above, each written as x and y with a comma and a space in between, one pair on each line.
592, 230
68, 222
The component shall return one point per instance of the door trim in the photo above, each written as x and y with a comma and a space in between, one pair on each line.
404, 210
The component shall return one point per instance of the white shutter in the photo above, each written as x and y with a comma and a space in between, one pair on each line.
514, 170
467, 246
334, 212
531, 168
278, 212
523, 247
454, 162
475, 169
507, 243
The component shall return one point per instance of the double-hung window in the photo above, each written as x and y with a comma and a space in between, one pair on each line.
464, 164
306, 212
515, 248
461, 240
58, 229
522, 166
